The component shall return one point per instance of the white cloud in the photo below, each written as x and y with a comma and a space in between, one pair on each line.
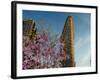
83, 51
85, 60
81, 42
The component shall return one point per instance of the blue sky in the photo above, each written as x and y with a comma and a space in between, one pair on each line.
56, 21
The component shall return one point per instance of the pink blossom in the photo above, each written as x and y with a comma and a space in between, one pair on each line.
38, 53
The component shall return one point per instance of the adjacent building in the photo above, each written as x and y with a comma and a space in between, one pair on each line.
29, 28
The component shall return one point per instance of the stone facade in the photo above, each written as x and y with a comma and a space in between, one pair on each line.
67, 38
29, 28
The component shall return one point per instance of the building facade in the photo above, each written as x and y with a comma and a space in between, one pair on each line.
67, 38
29, 28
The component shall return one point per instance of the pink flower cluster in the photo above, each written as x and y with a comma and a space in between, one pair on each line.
38, 53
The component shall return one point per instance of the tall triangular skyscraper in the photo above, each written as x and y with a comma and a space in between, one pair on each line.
67, 38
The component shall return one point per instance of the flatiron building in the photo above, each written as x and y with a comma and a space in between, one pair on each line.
67, 38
